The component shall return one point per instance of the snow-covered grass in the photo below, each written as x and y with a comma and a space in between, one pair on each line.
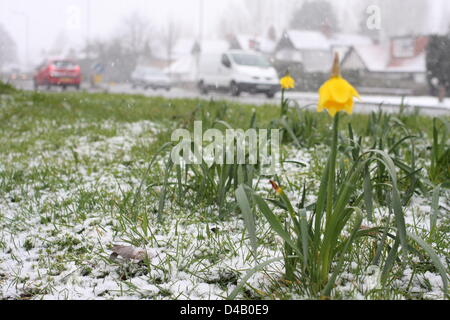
70, 168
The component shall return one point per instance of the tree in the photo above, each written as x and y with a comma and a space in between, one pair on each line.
264, 13
116, 61
438, 63
135, 33
234, 20
8, 48
256, 10
170, 35
315, 15
120, 54
272, 33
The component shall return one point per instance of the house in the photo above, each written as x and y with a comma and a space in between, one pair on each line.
252, 43
399, 63
310, 50
341, 43
213, 46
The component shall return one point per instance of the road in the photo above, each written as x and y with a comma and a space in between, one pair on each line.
426, 105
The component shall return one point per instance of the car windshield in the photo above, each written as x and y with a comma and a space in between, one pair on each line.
64, 64
251, 60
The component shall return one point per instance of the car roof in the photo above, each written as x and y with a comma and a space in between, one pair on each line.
62, 60
55, 58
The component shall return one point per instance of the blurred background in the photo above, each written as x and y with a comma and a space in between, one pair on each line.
397, 47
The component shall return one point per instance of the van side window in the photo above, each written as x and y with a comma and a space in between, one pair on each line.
226, 61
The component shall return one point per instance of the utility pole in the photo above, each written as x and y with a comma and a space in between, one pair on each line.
201, 7
259, 18
201, 14
88, 28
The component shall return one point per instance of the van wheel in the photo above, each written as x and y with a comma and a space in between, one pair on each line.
270, 94
235, 90
203, 89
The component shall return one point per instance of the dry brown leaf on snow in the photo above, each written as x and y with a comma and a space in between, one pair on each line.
130, 253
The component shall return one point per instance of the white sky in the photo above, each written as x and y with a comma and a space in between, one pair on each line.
48, 18
51, 18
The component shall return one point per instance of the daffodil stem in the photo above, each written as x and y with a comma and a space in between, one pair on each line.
332, 169
283, 104
325, 255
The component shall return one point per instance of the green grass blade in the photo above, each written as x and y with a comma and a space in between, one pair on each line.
435, 208
320, 204
249, 218
396, 201
434, 258
390, 260
331, 282
305, 237
162, 198
276, 224
250, 274
368, 194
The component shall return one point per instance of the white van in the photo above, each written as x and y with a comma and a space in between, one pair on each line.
237, 71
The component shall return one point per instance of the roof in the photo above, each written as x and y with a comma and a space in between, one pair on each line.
348, 39
315, 40
214, 46
265, 45
377, 58
414, 65
308, 40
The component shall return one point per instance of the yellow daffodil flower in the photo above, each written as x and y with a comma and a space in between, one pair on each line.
287, 82
337, 94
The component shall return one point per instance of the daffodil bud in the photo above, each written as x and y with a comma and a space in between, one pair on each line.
276, 187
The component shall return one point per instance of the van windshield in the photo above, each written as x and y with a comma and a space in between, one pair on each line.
250, 60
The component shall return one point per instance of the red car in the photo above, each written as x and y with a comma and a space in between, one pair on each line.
62, 72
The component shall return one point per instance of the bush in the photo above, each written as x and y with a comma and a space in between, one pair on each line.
6, 88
